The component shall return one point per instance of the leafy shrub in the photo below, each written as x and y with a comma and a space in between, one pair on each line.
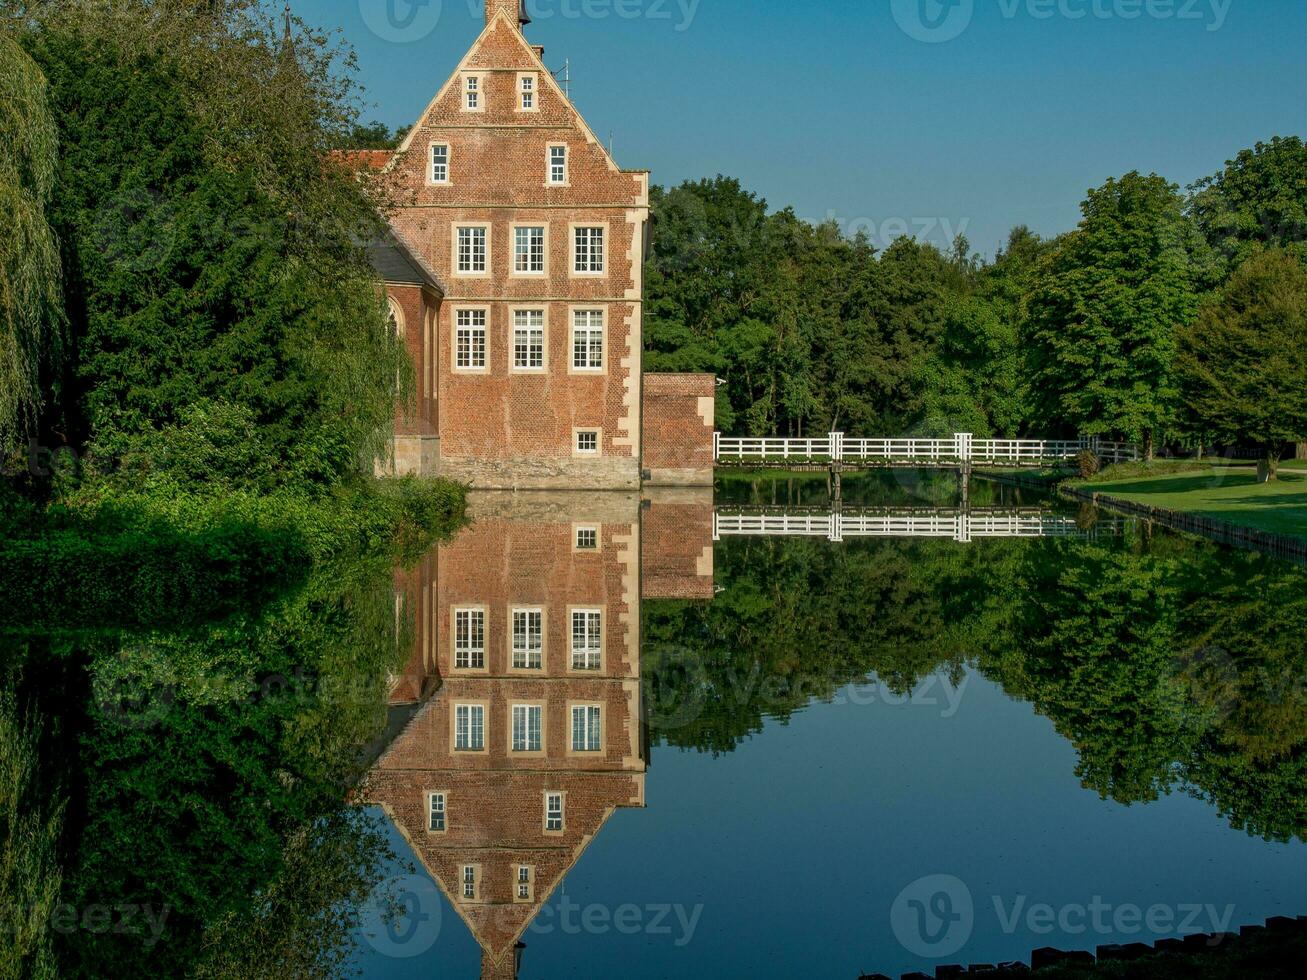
1088, 464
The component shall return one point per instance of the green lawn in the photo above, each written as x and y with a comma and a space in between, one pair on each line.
1227, 494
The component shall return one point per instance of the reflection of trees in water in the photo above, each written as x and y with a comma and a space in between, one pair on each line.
1168, 663
210, 768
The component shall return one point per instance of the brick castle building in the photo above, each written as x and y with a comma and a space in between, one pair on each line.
515, 274
523, 723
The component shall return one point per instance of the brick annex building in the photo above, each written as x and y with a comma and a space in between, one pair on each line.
515, 274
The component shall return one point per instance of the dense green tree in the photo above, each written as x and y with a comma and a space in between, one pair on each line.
1260, 198
1102, 318
1243, 362
30, 305
213, 252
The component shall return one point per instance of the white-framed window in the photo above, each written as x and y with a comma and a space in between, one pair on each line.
587, 442
587, 539
472, 251
470, 340
469, 727
436, 812
526, 90
587, 639
529, 250
472, 92
588, 250
440, 163
557, 164
528, 720
586, 735
587, 340
470, 639
471, 879
528, 638
528, 340
554, 811
524, 882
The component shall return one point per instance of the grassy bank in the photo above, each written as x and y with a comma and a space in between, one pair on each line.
119, 558
1217, 492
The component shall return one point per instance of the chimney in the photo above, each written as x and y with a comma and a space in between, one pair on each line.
514, 8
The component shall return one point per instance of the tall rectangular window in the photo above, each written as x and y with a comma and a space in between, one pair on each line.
585, 728
529, 340
588, 340
528, 638
472, 92
526, 727
469, 881
558, 165
529, 250
525, 881
440, 163
587, 639
470, 639
589, 250
469, 727
470, 340
471, 249
553, 811
526, 86
436, 812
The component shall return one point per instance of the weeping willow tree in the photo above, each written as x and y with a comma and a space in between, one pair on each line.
29, 872
30, 309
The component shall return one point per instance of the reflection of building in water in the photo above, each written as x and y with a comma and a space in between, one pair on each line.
526, 665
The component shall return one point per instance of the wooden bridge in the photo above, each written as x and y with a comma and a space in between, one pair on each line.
962, 451
960, 524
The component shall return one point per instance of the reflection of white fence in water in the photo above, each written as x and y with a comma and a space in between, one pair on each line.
961, 450
903, 522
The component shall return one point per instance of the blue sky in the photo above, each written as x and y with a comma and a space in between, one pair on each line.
887, 115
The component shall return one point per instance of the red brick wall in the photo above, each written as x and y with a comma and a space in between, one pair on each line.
498, 164
678, 428
677, 555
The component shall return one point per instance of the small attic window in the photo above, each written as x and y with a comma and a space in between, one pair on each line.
526, 90
472, 92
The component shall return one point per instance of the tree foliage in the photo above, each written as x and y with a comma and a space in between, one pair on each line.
30, 305
1244, 360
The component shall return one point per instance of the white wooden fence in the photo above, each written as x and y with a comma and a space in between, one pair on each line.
958, 525
960, 450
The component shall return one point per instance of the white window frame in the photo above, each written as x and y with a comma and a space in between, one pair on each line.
529, 273
525, 712
524, 883
583, 435
591, 530
525, 656
465, 740
583, 321
434, 797
528, 91
474, 92
586, 657
470, 270
592, 728
551, 167
432, 165
528, 320
590, 271
469, 882
555, 813
477, 321
468, 655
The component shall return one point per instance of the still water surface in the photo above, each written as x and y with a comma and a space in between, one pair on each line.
755, 735
1107, 722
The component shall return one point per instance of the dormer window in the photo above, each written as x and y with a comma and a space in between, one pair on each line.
472, 92
526, 92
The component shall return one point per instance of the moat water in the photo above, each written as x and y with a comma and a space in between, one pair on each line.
814, 757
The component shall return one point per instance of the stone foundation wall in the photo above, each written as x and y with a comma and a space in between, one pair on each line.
544, 473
